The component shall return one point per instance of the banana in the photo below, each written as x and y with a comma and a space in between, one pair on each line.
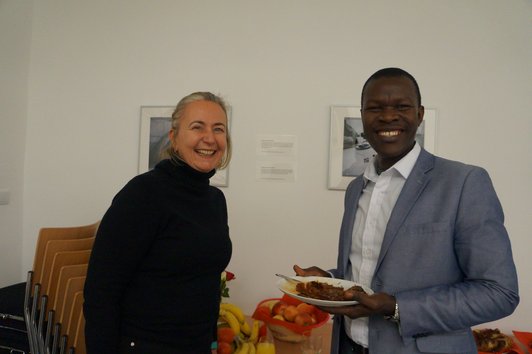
244, 349
254, 337
231, 320
244, 327
235, 310
252, 349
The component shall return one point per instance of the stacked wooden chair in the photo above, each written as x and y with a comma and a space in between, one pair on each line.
53, 296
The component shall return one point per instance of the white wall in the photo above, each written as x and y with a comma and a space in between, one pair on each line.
15, 34
280, 64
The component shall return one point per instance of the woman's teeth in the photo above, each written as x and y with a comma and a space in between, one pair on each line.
205, 152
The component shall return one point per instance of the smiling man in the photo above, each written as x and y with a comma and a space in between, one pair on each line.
391, 113
426, 234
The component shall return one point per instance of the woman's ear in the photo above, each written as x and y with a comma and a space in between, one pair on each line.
171, 137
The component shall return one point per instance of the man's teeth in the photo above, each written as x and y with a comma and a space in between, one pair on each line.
206, 152
389, 133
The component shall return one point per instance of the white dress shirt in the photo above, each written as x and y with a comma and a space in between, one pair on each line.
374, 209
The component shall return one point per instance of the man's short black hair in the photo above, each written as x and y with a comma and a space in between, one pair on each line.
391, 72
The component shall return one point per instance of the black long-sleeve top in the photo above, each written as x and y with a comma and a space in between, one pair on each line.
154, 272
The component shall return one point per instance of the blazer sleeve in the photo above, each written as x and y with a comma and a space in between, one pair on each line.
486, 287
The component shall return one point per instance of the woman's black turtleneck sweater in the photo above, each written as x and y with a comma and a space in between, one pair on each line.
154, 272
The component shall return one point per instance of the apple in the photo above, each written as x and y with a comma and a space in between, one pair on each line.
303, 319
307, 308
290, 313
279, 308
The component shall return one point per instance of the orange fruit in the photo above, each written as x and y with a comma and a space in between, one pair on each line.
224, 348
225, 335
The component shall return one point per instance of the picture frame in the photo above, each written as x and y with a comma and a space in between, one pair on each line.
349, 152
155, 123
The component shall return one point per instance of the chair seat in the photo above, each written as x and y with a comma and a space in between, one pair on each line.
12, 299
12, 331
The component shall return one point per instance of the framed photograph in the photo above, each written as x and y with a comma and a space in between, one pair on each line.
155, 123
350, 153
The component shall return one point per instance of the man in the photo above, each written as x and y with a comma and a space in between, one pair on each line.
425, 233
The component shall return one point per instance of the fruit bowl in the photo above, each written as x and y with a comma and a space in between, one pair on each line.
288, 330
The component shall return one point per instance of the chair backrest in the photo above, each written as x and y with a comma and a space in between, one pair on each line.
79, 338
58, 233
52, 249
62, 259
74, 286
70, 271
76, 313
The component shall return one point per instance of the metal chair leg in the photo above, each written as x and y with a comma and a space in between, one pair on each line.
55, 342
32, 325
49, 326
42, 316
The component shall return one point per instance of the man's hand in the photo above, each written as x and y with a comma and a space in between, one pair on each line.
311, 271
376, 304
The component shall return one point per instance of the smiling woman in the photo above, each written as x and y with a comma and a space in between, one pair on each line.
199, 134
200, 137
162, 245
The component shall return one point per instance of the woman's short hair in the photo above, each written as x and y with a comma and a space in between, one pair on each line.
178, 114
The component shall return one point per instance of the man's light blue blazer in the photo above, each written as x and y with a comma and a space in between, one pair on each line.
446, 257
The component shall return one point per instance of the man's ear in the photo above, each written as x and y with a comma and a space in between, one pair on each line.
420, 115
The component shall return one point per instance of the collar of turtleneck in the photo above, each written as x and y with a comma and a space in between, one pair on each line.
185, 174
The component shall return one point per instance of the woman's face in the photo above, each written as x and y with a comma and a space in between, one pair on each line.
201, 137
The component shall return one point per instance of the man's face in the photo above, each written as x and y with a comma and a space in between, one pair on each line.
391, 115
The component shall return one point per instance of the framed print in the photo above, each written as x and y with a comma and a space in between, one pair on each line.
155, 123
350, 153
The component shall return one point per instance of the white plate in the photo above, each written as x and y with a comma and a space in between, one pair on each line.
290, 289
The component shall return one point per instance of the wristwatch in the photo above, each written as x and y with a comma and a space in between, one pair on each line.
395, 317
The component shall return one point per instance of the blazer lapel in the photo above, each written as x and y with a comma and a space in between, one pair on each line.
414, 186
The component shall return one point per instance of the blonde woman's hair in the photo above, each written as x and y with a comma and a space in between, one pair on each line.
176, 119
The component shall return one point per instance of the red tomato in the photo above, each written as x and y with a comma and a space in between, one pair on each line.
224, 348
225, 335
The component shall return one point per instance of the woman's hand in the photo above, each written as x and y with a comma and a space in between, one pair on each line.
311, 271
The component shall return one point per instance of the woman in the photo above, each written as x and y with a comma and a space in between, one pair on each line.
153, 283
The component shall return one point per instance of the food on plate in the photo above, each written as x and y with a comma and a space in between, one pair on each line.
492, 340
323, 291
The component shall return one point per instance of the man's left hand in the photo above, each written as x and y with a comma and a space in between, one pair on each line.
375, 304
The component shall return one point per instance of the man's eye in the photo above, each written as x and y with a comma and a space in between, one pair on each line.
373, 109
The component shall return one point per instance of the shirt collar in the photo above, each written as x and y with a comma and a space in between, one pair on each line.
403, 166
